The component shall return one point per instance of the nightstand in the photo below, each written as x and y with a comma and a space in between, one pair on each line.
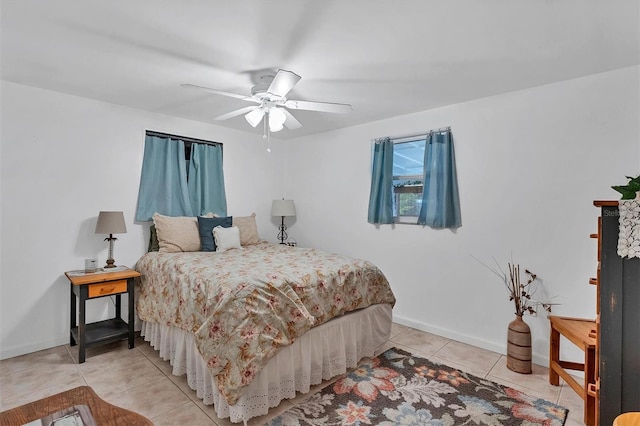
93, 285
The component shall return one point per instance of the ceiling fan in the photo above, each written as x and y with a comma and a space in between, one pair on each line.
272, 102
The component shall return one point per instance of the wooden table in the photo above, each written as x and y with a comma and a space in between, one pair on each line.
102, 412
85, 286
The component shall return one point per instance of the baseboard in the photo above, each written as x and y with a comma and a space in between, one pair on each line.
14, 351
465, 338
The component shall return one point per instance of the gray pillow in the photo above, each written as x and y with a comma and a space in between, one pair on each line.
205, 227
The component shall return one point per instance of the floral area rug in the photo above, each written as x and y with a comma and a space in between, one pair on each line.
397, 388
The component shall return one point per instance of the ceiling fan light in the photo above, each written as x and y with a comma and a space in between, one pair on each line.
255, 116
276, 119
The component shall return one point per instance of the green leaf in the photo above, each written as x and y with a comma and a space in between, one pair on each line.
620, 189
629, 190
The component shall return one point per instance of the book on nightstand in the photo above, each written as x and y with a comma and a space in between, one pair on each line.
82, 272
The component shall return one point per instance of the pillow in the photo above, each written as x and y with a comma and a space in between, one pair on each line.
176, 234
154, 245
226, 238
205, 229
248, 229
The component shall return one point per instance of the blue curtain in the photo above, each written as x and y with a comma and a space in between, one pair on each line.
381, 194
206, 180
440, 201
163, 183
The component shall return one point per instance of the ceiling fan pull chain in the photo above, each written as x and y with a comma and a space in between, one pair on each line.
268, 140
266, 134
264, 128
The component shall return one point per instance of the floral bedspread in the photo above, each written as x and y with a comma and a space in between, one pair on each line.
243, 305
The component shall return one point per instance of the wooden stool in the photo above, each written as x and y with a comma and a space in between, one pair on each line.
580, 332
627, 419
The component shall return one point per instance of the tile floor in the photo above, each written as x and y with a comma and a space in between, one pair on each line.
139, 380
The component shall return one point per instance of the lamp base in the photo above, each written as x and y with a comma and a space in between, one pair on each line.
282, 235
110, 261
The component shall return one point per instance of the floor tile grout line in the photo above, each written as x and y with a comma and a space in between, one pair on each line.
171, 409
7, 368
563, 387
391, 337
171, 378
201, 408
178, 387
414, 350
147, 384
493, 366
67, 348
441, 348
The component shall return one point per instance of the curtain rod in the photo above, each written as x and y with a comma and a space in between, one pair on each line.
182, 138
425, 134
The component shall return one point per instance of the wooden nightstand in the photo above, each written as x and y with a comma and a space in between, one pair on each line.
94, 285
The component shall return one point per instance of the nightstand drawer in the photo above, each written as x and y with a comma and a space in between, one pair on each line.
104, 289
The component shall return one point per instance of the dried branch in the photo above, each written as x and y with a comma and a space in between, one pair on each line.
521, 294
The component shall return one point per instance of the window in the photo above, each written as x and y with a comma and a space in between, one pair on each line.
413, 180
408, 175
180, 177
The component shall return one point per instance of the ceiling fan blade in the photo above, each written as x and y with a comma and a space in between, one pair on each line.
219, 92
291, 122
236, 113
283, 82
319, 106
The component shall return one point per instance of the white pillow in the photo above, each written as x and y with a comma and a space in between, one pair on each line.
226, 238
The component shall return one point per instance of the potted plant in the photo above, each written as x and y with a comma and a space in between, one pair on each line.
522, 294
629, 218
631, 190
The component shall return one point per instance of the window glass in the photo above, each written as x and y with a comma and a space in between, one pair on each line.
408, 158
408, 174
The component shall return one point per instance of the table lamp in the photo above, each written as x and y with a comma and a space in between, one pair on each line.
111, 223
283, 208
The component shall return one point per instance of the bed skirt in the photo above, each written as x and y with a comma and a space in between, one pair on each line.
320, 354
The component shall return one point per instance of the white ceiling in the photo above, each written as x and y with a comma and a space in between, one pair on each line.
384, 57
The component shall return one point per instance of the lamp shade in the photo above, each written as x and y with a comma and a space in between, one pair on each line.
276, 119
255, 116
111, 223
283, 208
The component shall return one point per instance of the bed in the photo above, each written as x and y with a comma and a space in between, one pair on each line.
251, 326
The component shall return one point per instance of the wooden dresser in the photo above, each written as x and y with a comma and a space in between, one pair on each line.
617, 378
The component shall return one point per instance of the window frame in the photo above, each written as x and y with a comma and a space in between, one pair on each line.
187, 142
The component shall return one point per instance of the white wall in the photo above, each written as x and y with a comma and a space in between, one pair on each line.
530, 163
64, 159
